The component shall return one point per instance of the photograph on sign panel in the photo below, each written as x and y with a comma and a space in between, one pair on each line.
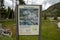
28, 16
28, 20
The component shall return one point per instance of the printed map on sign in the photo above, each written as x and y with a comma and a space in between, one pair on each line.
28, 16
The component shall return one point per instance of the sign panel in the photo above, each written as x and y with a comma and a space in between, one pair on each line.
28, 19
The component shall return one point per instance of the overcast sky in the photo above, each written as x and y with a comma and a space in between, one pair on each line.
9, 3
44, 3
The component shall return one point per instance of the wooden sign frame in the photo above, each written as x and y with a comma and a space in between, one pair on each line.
17, 20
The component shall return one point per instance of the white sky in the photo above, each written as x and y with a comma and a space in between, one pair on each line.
45, 3
33, 1
9, 3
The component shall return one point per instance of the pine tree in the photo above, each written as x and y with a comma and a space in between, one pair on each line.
21, 2
1, 6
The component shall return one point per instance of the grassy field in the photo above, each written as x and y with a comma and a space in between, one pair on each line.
50, 31
7, 38
12, 26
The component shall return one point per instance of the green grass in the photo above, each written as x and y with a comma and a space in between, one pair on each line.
11, 25
28, 38
50, 31
7, 38
7, 22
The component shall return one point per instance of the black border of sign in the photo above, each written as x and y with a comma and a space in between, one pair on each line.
40, 22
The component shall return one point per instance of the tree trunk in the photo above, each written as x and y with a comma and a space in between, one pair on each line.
45, 17
0, 15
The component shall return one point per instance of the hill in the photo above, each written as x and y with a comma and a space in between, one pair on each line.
53, 10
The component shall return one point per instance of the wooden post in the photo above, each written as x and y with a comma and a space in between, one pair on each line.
40, 23
16, 15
